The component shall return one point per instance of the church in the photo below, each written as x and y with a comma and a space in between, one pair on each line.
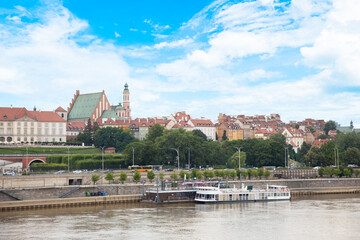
96, 107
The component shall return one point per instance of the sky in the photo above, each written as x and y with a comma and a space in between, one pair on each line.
299, 58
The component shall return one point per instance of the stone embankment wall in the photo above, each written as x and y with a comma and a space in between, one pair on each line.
128, 189
79, 191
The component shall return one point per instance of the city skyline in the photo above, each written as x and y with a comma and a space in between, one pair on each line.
295, 58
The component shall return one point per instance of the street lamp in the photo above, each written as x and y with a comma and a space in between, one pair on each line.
239, 149
133, 155
286, 151
336, 157
27, 157
68, 160
189, 157
102, 157
178, 158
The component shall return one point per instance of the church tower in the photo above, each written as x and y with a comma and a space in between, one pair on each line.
126, 101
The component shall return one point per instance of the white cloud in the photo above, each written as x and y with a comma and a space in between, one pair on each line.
15, 19
337, 48
174, 44
231, 51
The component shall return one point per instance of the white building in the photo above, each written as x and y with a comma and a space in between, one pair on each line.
18, 125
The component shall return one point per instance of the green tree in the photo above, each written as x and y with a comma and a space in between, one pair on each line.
174, 176
137, 177
315, 157
329, 171
113, 137
224, 137
95, 178
183, 173
199, 175
260, 172
209, 174
351, 156
249, 173
279, 138
199, 133
347, 173
357, 172
338, 172
267, 174
122, 177
109, 177
233, 161
297, 126
321, 171
161, 176
233, 174
155, 131
151, 175
329, 125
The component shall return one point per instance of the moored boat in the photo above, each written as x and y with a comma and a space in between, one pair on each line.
244, 194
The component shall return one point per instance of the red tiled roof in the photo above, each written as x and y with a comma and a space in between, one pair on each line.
10, 114
202, 122
60, 109
75, 126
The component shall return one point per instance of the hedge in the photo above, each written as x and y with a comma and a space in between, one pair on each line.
48, 167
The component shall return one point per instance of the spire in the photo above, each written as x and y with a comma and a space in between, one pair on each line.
126, 86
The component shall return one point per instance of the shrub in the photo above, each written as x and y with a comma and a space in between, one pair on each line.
109, 177
95, 178
122, 177
137, 177
174, 176
151, 175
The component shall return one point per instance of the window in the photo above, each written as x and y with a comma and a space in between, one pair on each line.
25, 123
32, 124
19, 131
25, 132
1, 131
9, 131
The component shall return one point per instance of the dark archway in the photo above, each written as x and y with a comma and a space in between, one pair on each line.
36, 161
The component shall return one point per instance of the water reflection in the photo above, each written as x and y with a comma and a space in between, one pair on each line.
324, 217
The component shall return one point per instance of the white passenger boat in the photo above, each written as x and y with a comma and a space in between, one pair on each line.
244, 194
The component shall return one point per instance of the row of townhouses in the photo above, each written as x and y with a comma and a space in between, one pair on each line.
19, 125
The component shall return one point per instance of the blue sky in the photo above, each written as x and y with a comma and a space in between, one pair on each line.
298, 58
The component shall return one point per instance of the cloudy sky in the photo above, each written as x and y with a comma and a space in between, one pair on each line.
298, 58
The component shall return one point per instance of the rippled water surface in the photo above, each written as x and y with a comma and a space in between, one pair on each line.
317, 218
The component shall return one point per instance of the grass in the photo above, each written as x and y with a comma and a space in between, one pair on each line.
49, 150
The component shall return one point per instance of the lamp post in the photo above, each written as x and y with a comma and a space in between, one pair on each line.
336, 157
133, 155
189, 157
239, 149
178, 158
68, 160
102, 157
286, 151
27, 157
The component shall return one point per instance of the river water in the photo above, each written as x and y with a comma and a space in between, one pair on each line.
330, 217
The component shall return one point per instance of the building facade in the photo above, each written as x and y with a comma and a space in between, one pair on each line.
18, 125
